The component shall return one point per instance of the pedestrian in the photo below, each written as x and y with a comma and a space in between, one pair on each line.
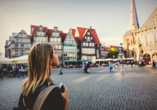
113, 67
153, 64
39, 90
1, 70
131, 64
12, 67
83, 67
20, 71
110, 66
88, 66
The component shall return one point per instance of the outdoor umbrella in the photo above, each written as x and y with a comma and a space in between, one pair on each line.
22, 59
84, 60
4, 60
71, 61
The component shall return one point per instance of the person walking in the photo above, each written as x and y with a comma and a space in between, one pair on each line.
131, 64
88, 66
110, 66
20, 71
153, 65
1, 70
83, 67
39, 90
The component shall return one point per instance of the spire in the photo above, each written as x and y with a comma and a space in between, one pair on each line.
133, 17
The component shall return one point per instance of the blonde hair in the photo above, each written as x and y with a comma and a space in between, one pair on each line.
38, 67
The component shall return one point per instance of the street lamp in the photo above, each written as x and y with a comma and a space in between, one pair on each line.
121, 52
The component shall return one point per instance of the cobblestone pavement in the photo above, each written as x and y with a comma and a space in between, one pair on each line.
99, 90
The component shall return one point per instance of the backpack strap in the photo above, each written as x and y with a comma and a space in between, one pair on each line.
41, 97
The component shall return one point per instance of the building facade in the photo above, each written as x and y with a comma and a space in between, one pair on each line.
19, 46
40, 35
141, 43
69, 47
56, 41
89, 43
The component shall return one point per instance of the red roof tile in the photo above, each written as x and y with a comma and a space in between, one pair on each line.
82, 32
95, 36
73, 33
63, 35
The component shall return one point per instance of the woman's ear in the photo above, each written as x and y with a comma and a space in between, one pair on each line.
50, 61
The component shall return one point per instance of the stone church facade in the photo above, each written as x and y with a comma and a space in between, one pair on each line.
141, 42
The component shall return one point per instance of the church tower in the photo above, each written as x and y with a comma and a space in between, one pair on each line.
128, 38
134, 24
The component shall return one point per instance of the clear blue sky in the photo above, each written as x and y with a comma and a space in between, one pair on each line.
110, 18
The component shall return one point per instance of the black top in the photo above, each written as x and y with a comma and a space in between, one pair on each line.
54, 100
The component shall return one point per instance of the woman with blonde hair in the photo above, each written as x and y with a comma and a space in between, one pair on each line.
41, 62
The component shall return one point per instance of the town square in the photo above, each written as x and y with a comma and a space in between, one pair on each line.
78, 55
98, 90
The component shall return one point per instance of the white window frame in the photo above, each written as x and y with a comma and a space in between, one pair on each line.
56, 47
38, 33
54, 34
22, 40
27, 45
22, 46
16, 52
57, 34
60, 47
55, 39
16, 40
86, 44
88, 33
42, 34
44, 39
40, 39
36, 39
16, 44
22, 35
51, 39
59, 39
22, 51
28, 40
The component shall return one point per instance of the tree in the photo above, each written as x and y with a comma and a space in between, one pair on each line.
112, 52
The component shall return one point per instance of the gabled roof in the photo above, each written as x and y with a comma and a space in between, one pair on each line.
82, 32
128, 33
37, 28
149, 20
73, 33
63, 35
95, 36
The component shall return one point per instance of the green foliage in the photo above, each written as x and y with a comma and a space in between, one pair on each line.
112, 52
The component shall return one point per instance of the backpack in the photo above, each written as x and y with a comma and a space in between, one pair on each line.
39, 101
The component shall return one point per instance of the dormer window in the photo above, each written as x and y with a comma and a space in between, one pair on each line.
88, 33
57, 34
42, 34
54, 34
22, 35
